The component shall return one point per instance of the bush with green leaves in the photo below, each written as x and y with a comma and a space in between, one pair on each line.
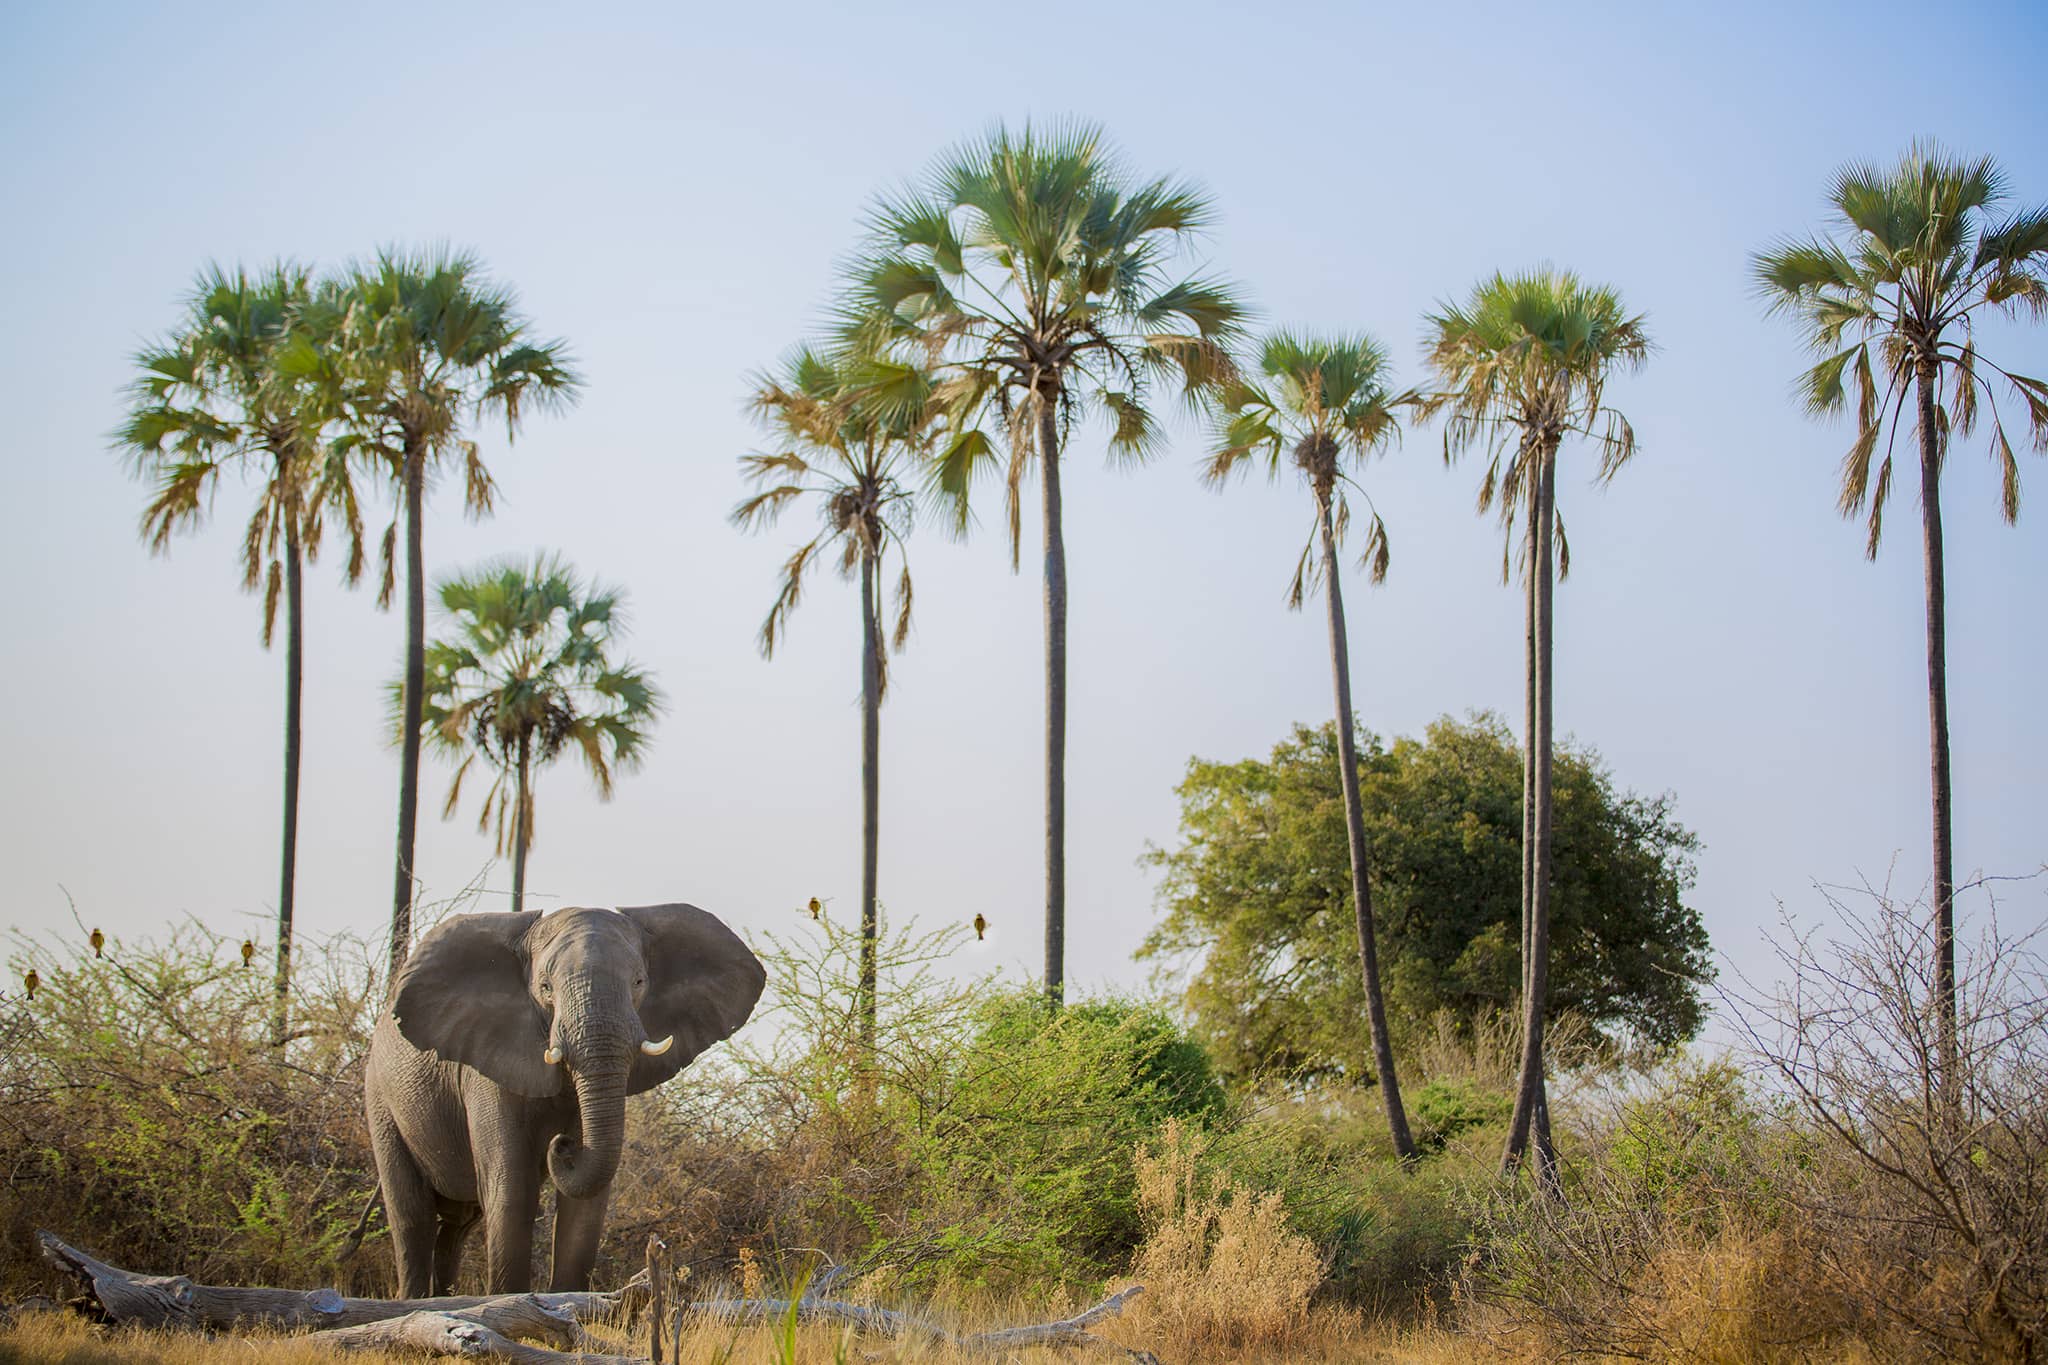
150, 1117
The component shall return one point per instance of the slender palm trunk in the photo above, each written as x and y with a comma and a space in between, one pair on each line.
1937, 729
870, 791
522, 823
414, 706
1354, 826
1055, 710
1529, 1089
294, 687
1546, 1152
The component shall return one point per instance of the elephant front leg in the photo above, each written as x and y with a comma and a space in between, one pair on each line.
408, 1206
579, 1223
511, 1203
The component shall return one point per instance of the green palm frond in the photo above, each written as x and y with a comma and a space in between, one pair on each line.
857, 424
1521, 366
525, 668
1914, 254
1026, 275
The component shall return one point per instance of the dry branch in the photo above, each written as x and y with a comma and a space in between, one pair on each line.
121, 1296
485, 1326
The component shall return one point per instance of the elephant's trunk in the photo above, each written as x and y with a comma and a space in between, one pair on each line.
584, 1167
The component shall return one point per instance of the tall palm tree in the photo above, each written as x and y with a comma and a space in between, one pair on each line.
211, 400
1028, 271
1519, 367
429, 345
849, 431
524, 677
1917, 261
1321, 400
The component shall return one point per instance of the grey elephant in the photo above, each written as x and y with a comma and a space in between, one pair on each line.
505, 1058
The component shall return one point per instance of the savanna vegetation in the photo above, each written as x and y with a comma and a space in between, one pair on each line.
1389, 971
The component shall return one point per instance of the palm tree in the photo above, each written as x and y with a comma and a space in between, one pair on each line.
1519, 367
211, 400
1919, 260
1324, 399
523, 678
430, 344
848, 430
1028, 272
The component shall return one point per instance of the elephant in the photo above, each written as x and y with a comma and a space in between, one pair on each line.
504, 1059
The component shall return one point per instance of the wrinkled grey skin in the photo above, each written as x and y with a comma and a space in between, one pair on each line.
468, 1118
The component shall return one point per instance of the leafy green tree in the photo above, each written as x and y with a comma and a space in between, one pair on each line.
1255, 897
1518, 368
212, 402
525, 677
428, 345
850, 432
1917, 261
1028, 271
1314, 402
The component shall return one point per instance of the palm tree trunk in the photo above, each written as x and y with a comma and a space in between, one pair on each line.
415, 686
1937, 727
1529, 1090
294, 688
1545, 1150
1354, 825
870, 792
522, 823
1055, 710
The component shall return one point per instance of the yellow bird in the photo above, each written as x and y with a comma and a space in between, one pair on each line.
31, 981
817, 907
98, 941
980, 926
248, 951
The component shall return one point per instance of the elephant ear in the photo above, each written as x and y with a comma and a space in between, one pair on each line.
702, 982
463, 996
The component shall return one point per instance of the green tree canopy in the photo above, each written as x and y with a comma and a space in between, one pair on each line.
1256, 896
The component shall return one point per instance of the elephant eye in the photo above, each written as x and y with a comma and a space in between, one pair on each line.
546, 988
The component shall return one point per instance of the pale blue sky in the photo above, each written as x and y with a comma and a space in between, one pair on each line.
669, 189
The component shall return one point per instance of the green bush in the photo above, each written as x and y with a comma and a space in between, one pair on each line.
1441, 1110
149, 1117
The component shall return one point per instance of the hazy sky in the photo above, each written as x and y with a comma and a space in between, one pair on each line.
669, 189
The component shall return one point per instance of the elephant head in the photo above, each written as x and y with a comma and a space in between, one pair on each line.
611, 1002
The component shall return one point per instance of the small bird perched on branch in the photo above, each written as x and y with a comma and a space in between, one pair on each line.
98, 941
248, 951
31, 981
817, 907
980, 926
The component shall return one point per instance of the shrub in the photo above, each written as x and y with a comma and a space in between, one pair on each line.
1222, 1268
150, 1117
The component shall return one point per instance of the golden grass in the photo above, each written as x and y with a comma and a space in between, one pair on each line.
65, 1339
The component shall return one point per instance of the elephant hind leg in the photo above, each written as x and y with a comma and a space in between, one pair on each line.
457, 1221
409, 1205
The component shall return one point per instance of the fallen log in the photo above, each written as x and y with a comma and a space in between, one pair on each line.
487, 1326
122, 1297
457, 1334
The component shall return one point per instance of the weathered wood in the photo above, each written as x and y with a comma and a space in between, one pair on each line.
486, 1326
457, 1334
121, 1296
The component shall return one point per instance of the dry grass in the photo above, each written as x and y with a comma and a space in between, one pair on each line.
64, 1339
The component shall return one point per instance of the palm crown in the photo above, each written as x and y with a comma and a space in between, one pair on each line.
1918, 264
848, 429
1030, 273
1520, 366
425, 340
525, 676
1321, 398
211, 398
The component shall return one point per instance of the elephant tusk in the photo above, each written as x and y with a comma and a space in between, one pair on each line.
656, 1049
553, 1056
